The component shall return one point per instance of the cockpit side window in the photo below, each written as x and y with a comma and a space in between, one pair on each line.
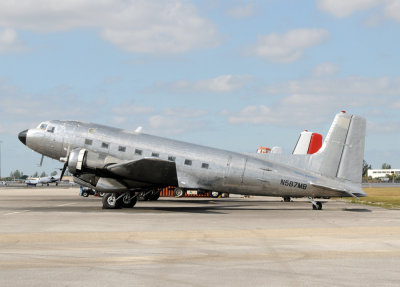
50, 129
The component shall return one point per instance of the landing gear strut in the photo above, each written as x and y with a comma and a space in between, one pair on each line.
316, 205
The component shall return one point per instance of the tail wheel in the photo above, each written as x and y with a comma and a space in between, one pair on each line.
110, 201
214, 194
179, 192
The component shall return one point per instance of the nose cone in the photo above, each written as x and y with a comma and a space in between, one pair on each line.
22, 136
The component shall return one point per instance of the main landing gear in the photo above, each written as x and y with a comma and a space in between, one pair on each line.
316, 205
118, 200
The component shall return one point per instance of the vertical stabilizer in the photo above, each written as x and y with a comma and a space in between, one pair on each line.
342, 153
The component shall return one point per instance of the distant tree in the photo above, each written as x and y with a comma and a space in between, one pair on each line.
53, 173
36, 174
43, 174
386, 166
16, 174
366, 167
25, 176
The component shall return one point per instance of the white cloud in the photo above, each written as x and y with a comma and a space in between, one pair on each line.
219, 84
302, 111
176, 121
128, 109
9, 42
325, 69
344, 8
151, 26
287, 47
241, 12
351, 86
392, 10
19, 110
306, 103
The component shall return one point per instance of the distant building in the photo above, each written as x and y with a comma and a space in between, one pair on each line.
381, 173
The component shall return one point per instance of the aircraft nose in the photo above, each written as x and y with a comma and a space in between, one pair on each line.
22, 136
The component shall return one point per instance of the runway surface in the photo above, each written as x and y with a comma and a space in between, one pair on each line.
53, 237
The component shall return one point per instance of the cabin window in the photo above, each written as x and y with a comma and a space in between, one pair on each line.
138, 151
204, 165
171, 158
188, 162
104, 145
50, 129
121, 148
88, 142
154, 154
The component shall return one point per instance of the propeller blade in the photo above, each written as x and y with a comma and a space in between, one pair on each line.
63, 170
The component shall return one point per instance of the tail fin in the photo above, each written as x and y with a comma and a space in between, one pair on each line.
342, 153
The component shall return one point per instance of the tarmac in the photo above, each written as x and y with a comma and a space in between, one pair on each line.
54, 237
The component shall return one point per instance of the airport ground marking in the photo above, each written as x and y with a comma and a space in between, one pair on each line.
17, 212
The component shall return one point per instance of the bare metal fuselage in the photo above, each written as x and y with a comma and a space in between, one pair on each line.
209, 168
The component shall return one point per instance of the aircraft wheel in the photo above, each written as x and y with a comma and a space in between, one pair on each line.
110, 201
319, 205
128, 201
85, 194
141, 196
214, 194
154, 195
286, 199
101, 194
179, 192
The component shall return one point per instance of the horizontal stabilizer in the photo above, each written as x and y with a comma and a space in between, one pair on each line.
355, 191
149, 170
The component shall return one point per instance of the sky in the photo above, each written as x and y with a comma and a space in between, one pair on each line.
232, 74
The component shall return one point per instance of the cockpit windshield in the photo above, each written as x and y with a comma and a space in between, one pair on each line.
42, 126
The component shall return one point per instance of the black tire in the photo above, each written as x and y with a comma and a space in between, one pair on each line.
286, 199
319, 205
101, 194
85, 194
154, 195
179, 192
110, 201
141, 196
128, 201
214, 194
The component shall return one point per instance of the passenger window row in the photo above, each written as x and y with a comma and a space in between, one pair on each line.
140, 152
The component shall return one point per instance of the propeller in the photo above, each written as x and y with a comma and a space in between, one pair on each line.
63, 170
66, 162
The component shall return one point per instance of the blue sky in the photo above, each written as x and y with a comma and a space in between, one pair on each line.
229, 74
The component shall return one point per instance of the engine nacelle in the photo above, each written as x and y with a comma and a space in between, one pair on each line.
82, 160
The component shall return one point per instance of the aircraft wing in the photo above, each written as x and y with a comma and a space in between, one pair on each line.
150, 170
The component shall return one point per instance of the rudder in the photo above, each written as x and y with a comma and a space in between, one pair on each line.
342, 153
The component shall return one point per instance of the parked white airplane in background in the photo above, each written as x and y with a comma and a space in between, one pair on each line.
43, 180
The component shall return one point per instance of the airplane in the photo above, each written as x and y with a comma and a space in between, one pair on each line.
43, 180
123, 163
